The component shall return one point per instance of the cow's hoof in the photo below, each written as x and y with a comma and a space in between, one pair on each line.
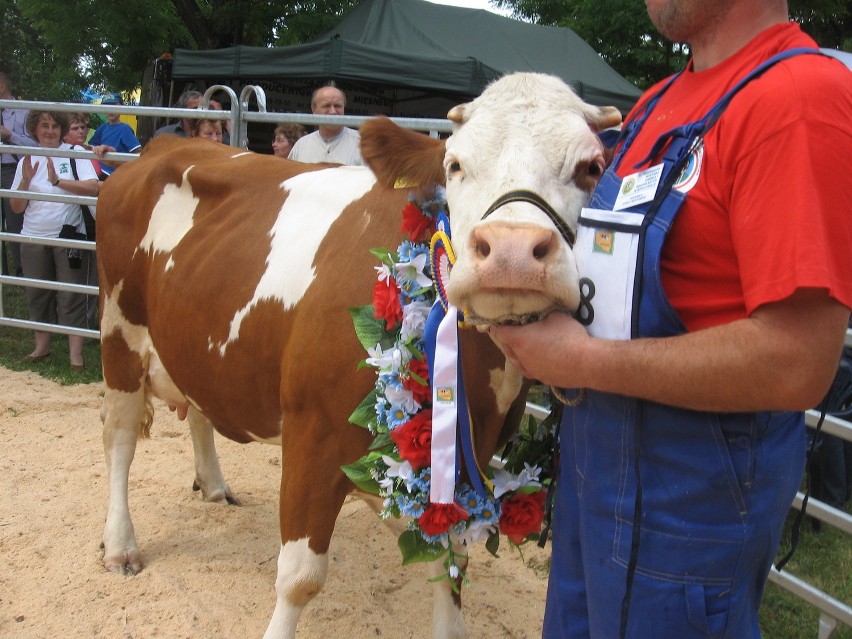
128, 564
218, 496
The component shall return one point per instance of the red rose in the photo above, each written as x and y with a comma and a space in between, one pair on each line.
438, 518
422, 392
386, 304
414, 222
414, 439
522, 515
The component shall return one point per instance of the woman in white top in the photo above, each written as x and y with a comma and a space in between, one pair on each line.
52, 175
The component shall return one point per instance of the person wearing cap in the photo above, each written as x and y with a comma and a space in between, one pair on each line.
113, 136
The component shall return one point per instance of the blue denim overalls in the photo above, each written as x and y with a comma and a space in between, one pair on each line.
711, 490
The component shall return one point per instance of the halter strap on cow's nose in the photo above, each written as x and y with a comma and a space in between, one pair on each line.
536, 200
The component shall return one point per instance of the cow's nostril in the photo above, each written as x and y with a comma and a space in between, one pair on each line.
483, 248
543, 248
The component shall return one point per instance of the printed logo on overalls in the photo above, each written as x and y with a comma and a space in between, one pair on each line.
692, 171
445, 394
604, 242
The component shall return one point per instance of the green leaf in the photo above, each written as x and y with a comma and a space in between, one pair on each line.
369, 329
414, 548
383, 443
492, 544
359, 473
365, 414
385, 256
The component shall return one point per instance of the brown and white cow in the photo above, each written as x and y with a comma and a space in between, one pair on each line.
226, 277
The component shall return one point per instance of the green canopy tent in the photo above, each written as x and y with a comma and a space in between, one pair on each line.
409, 58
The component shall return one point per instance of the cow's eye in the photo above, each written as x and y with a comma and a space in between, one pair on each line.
454, 169
588, 173
596, 169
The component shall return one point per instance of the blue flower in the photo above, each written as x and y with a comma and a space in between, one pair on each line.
410, 506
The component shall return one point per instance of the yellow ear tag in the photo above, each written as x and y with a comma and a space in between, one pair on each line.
404, 183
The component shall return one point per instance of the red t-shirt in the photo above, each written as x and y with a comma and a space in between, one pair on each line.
771, 210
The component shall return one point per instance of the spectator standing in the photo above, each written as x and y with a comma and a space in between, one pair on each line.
12, 132
208, 129
52, 176
700, 350
114, 136
330, 142
181, 128
286, 136
78, 130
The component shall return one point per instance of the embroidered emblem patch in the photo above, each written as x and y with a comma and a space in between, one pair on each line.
604, 241
688, 178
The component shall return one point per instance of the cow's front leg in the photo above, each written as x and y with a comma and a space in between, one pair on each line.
312, 494
447, 618
208, 474
123, 414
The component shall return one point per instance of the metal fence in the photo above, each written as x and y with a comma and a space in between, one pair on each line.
832, 611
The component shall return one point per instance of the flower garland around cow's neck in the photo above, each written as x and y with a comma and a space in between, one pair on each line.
398, 413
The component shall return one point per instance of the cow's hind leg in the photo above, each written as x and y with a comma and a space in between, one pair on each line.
208, 473
124, 415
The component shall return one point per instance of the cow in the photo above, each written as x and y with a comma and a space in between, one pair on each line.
226, 277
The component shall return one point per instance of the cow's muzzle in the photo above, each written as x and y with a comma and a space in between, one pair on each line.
539, 202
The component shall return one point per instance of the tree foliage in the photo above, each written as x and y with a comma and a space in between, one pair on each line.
84, 43
621, 32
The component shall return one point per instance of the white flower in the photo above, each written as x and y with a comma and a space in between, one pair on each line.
414, 320
380, 359
506, 482
403, 470
454, 571
402, 398
413, 271
476, 531
382, 272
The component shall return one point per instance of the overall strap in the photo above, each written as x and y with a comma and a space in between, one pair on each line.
702, 126
629, 129
693, 133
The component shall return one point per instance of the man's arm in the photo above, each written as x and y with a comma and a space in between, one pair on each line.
783, 357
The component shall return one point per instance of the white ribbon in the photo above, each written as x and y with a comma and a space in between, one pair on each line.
444, 410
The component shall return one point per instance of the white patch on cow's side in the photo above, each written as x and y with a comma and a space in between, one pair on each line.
137, 337
301, 575
314, 201
506, 384
240, 155
171, 218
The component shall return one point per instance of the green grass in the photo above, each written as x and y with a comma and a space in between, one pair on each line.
15, 344
823, 559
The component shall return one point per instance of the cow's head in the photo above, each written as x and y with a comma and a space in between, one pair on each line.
521, 162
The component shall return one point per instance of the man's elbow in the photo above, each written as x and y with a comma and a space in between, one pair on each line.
805, 385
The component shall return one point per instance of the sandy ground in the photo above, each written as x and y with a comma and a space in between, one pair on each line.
210, 569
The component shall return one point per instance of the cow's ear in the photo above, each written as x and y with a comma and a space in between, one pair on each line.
600, 118
398, 155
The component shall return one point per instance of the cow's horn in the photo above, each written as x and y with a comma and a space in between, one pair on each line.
600, 118
456, 114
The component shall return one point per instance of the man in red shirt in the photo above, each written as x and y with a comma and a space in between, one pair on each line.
679, 467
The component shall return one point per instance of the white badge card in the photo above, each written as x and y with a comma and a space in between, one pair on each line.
606, 253
638, 188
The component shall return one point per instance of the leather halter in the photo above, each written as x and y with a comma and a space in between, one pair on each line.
539, 202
